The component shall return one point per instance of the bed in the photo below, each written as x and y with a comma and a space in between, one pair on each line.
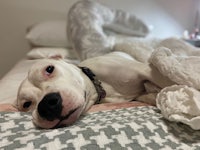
127, 125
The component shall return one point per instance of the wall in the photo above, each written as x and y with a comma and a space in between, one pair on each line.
15, 17
197, 7
168, 18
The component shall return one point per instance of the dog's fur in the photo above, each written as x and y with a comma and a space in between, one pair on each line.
121, 76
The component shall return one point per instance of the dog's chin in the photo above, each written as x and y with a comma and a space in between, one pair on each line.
56, 123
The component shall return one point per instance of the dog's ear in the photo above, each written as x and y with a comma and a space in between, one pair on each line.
60, 57
74, 62
56, 57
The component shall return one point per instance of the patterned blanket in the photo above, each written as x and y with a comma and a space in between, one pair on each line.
128, 128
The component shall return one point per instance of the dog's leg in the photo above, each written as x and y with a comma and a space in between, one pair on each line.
150, 95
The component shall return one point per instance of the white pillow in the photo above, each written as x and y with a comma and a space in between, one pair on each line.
49, 33
50, 52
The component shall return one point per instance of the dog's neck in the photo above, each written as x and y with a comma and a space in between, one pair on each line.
97, 84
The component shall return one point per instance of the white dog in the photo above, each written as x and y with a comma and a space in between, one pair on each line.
58, 92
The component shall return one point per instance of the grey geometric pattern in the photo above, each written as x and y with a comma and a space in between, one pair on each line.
138, 128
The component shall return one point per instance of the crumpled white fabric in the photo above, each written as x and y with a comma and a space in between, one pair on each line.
183, 70
92, 27
180, 103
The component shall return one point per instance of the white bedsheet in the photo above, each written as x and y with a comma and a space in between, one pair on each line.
10, 82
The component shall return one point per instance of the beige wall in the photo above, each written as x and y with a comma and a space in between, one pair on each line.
15, 17
167, 16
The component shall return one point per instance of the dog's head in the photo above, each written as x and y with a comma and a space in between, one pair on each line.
55, 91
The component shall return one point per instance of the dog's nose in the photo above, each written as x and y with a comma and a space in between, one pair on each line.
50, 106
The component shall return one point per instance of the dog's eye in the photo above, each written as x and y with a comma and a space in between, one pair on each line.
27, 104
50, 69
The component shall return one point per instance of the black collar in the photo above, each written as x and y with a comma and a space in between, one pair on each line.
97, 84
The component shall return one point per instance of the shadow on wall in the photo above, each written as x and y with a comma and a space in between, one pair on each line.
167, 18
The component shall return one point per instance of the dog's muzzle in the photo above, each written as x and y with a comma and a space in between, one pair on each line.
50, 107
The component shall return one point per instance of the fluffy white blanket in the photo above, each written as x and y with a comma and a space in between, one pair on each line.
180, 62
179, 102
174, 58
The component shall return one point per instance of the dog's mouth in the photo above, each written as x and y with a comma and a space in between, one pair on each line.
62, 121
66, 117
